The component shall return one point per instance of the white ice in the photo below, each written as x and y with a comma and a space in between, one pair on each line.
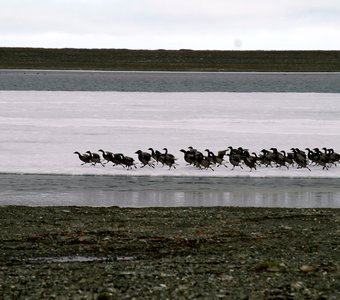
39, 131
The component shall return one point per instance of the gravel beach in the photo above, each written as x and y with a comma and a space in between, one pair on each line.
169, 253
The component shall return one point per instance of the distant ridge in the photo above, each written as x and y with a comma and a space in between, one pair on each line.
170, 60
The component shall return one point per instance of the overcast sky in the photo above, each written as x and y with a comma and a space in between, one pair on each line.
172, 24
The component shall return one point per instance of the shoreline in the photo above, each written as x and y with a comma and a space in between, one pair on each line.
158, 191
126, 173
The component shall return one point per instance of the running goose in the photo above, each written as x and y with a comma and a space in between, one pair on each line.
106, 155
189, 157
169, 159
216, 159
300, 159
116, 159
249, 160
288, 157
85, 158
154, 154
127, 161
322, 159
145, 158
278, 158
198, 156
235, 159
333, 156
95, 158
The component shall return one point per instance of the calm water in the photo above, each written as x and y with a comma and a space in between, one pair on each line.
141, 191
169, 82
16, 189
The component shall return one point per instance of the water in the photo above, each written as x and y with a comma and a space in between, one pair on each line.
40, 80
143, 191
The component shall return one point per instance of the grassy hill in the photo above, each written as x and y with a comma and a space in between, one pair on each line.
169, 60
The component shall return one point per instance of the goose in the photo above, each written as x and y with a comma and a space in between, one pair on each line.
205, 163
106, 155
235, 159
169, 159
311, 155
233, 151
278, 158
145, 158
127, 161
266, 158
300, 159
95, 158
155, 154
116, 159
160, 157
189, 157
216, 159
85, 158
249, 161
288, 157
333, 156
198, 156
300, 152
321, 159
221, 153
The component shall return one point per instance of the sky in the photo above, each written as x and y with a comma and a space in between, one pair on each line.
172, 24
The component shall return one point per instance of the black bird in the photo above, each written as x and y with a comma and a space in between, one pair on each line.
85, 158
311, 155
288, 157
216, 159
266, 158
145, 158
169, 159
249, 160
127, 161
116, 159
95, 158
155, 155
278, 158
334, 156
235, 159
205, 163
300, 158
322, 159
221, 153
106, 155
189, 157
198, 156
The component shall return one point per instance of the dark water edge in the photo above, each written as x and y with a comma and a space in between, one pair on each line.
47, 80
159, 191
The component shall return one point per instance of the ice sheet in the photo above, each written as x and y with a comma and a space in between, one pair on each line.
39, 131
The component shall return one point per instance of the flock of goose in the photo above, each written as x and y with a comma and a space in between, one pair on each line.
236, 157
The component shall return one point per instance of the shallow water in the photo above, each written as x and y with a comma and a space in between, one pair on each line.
147, 191
43, 80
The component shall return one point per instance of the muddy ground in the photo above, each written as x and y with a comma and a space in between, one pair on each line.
169, 253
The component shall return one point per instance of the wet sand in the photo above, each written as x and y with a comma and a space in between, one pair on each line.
169, 253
